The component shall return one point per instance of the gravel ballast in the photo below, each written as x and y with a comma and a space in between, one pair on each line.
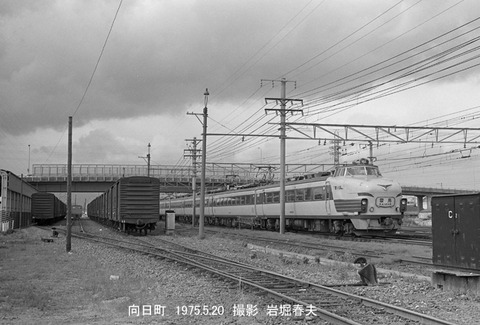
95, 284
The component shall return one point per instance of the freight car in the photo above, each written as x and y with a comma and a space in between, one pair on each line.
15, 201
350, 199
77, 211
47, 208
131, 204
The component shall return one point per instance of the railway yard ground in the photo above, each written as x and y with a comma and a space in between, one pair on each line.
98, 284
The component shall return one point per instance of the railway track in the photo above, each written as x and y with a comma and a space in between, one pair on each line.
313, 300
319, 246
415, 260
408, 235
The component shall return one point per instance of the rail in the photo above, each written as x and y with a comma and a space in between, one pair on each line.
329, 304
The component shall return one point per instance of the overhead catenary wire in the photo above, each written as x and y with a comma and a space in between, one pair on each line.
347, 37
307, 108
249, 145
91, 76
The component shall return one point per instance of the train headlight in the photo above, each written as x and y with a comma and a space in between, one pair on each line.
403, 205
364, 205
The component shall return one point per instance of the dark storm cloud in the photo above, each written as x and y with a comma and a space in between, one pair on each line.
101, 144
161, 55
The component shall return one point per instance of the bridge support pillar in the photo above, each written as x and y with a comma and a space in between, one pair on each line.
428, 202
424, 202
419, 202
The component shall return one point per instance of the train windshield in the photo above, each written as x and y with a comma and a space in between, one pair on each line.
359, 171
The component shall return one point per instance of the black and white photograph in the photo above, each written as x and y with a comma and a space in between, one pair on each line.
240, 162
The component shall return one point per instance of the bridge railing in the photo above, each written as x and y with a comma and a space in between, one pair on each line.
226, 171
130, 170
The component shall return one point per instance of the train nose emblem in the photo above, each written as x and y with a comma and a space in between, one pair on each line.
385, 187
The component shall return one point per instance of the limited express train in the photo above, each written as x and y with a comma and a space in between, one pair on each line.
350, 199
131, 204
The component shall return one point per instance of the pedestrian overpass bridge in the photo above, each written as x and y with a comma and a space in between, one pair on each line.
173, 179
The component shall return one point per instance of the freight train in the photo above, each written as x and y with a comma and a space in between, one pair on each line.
15, 201
77, 211
131, 204
47, 208
352, 199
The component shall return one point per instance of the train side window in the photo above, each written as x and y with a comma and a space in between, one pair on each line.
276, 197
308, 194
300, 194
317, 193
290, 196
269, 197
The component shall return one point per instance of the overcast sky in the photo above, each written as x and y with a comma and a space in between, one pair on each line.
364, 62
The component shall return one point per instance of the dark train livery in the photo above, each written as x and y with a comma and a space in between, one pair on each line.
15, 201
351, 199
77, 211
131, 204
47, 208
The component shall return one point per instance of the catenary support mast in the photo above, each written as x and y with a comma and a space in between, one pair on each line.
283, 100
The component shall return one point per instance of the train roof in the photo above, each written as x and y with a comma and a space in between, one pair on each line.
289, 181
357, 162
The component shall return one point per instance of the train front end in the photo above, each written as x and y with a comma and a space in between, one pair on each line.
137, 200
370, 203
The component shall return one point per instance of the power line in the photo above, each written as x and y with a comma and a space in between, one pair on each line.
91, 76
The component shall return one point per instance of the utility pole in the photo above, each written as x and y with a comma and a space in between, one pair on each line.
282, 111
147, 159
21, 201
69, 187
28, 168
193, 154
201, 222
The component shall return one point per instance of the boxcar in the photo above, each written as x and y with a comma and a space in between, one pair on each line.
131, 204
47, 208
77, 211
15, 201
